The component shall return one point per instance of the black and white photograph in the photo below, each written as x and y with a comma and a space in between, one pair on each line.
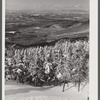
47, 50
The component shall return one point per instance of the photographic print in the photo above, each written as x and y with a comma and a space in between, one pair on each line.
47, 50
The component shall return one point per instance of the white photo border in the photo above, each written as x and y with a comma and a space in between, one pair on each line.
93, 35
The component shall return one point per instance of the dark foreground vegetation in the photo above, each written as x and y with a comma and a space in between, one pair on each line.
65, 62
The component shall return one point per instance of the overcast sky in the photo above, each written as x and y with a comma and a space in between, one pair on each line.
47, 4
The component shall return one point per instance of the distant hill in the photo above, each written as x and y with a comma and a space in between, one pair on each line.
56, 26
45, 29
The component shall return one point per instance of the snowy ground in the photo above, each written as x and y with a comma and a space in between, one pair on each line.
17, 91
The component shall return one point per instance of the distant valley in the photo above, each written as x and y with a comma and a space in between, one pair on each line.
29, 29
